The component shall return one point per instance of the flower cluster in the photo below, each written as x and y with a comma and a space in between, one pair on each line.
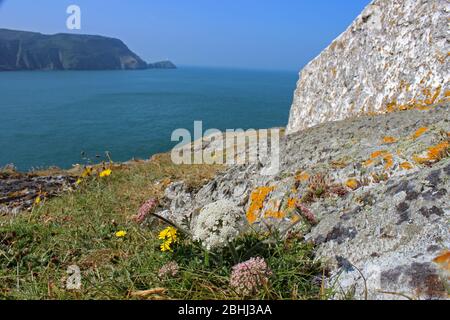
217, 224
169, 236
145, 209
248, 277
89, 171
168, 270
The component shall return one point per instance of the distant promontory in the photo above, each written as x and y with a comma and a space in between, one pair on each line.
21, 50
162, 65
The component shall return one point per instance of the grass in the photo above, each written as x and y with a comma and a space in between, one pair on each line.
79, 229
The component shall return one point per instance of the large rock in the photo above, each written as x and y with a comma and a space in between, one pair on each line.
393, 56
380, 235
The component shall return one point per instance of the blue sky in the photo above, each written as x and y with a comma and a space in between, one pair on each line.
262, 34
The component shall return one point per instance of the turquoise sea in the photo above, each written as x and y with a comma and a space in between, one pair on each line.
49, 118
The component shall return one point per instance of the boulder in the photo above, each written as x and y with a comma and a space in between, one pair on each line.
393, 56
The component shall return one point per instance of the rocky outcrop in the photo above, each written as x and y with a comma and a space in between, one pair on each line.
19, 192
394, 56
162, 65
20, 50
371, 193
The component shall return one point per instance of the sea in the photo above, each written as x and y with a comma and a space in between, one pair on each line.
63, 118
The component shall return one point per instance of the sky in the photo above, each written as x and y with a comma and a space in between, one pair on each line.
251, 34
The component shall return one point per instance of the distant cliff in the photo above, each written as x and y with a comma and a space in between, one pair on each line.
20, 50
162, 65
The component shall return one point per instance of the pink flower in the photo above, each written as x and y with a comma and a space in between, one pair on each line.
145, 209
248, 277
168, 270
307, 213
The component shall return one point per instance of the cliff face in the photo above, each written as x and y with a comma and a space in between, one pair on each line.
393, 56
34, 51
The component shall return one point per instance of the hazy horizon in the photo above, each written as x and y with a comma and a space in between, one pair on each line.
274, 35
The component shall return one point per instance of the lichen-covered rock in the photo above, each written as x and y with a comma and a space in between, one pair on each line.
395, 55
19, 192
378, 188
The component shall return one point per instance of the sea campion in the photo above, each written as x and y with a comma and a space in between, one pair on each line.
249, 277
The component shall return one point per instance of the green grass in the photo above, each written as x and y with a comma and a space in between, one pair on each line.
79, 228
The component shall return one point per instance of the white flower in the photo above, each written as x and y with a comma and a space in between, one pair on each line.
217, 224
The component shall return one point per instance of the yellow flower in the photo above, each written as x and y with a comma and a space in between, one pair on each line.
165, 246
79, 181
169, 233
121, 234
37, 200
105, 173
87, 172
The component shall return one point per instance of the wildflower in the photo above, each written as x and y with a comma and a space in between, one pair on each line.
79, 181
105, 173
169, 236
419, 132
121, 234
389, 140
168, 270
217, 224
249, 277
145, 209
37, 200
87, 172
305, 212
165, 246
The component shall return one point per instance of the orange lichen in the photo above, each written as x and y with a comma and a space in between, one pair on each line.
439, 151
406, 165
291, 203
434, 154
368, 163
274, 214
378, 154
431, 98
257, 199
388, 161
420, 132
302, 177
352, 184
389, 140
443, 260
